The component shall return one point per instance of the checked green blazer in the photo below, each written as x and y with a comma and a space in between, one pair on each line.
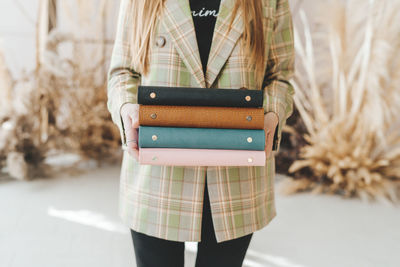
166, 201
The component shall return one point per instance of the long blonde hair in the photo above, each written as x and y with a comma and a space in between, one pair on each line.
146, 12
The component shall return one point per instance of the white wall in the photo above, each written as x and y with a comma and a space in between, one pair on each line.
17, 33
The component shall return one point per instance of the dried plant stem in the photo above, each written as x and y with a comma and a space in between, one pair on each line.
347, 92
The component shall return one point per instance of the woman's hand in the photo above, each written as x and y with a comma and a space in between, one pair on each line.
270, 123
130, 118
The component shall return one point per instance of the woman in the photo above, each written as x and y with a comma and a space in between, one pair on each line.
209, 44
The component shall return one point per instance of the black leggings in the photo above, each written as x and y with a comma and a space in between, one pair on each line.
151, 251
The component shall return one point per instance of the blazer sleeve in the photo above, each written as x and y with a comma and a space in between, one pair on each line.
278, 91
122, 80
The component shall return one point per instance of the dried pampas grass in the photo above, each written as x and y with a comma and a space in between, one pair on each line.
347, 86
60, 106
6, 84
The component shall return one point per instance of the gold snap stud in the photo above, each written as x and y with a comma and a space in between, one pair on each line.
248, 98
249, 139
153, 115
248, 118
154, 137
250, 160
153, 95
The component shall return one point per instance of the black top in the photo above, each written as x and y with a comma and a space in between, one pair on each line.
204, 14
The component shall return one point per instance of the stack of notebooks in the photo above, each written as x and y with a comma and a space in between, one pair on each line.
201, 126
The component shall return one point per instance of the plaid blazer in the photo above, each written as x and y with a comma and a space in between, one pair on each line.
167, 201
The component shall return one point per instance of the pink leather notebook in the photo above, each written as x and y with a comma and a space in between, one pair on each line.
201, 157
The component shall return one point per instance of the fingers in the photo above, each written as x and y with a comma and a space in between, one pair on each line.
270, 124
133, 146
131, 137
130, 117
135, 125
268, 144
135, 120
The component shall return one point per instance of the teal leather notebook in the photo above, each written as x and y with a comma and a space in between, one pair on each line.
212, 138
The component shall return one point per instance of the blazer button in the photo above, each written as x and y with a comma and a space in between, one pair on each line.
249, 139
153, 115
153, 95
154, 137
248, 118
160, 42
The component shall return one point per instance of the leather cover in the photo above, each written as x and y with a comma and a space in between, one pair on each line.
204, 138
201, 117
201, 157
195, 96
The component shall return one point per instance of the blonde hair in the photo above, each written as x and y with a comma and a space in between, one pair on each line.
146, 12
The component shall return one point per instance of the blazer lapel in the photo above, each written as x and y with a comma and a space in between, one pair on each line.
223, 42
179, 23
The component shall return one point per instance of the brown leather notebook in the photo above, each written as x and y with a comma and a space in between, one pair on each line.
201, 116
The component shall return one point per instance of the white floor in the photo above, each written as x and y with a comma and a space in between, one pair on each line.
72, 221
